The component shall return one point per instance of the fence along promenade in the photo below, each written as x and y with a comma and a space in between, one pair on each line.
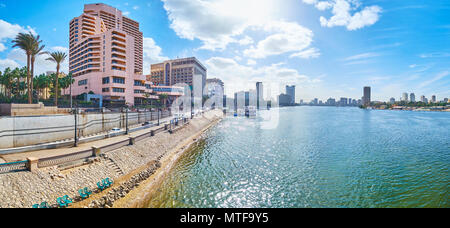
21, 133
32, 164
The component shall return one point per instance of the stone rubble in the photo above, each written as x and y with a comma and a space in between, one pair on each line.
24, 189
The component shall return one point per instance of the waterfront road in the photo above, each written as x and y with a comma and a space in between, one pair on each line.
81, 147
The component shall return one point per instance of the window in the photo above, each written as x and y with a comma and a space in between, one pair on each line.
105, 80
82, 82
105, 90
138, 83
118, 80
118, 90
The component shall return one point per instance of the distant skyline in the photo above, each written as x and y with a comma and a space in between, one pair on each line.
326, 48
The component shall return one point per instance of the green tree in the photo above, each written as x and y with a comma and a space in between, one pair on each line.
57, 57
26, 42
6, 80
163, 98
41, 83
36, 50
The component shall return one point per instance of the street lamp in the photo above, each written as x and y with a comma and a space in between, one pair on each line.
76, 127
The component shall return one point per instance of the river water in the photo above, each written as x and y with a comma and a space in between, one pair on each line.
317, 157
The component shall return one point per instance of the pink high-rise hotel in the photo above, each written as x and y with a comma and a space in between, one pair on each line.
106, 55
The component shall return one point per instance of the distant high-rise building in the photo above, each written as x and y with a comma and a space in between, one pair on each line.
367, 96
178, 71
433, 99
290, 90
405, 97
331, 101
284, 100
259, 94
445, 100
215, 86
315, 101
344, 101
422, 99
392, 100
412, 97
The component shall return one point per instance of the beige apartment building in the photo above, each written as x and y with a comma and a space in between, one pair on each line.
177, 71
106, 55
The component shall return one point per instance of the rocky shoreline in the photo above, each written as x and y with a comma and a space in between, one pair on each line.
128, 167
116, 193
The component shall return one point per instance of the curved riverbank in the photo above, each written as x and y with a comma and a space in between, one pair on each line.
139, 197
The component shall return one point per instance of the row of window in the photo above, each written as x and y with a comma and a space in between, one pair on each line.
82, 82
115, 90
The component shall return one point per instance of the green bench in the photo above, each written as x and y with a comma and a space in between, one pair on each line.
105, 183
64, 201
85, 193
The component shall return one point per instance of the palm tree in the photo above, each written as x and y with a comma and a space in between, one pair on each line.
57, 57
37, 50
7, 80
162, 98
26, 42
40, 83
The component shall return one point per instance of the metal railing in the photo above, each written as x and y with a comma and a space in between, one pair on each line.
13, 167
62, 159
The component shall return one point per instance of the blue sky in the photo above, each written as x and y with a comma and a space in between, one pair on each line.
328, 48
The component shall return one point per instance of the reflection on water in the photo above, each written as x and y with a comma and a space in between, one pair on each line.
317, 157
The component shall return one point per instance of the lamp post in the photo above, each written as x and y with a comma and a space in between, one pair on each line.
71, 82
192, 111
127, 130
76, 127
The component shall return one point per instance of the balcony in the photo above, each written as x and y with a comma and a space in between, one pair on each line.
119, 39
120, 63
118, 57
118, 51
116, 44
118, 68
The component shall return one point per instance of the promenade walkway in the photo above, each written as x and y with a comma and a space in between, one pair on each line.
81, 147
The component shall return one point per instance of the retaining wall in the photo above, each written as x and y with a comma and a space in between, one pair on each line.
27, 131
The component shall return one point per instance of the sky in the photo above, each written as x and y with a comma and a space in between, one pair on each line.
327, 48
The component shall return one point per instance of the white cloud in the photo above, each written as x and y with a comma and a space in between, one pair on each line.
9, 31
287, 37
342, 13
251, 62
438, 77
61, 49
42, 65
239, 77
435, 55
307, 54
246, 41
362, 56
5, 63
216, 23
152, 54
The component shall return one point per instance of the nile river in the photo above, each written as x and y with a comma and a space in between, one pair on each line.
317, 157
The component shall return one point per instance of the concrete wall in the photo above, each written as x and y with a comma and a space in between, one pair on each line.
30, 110
26, 131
